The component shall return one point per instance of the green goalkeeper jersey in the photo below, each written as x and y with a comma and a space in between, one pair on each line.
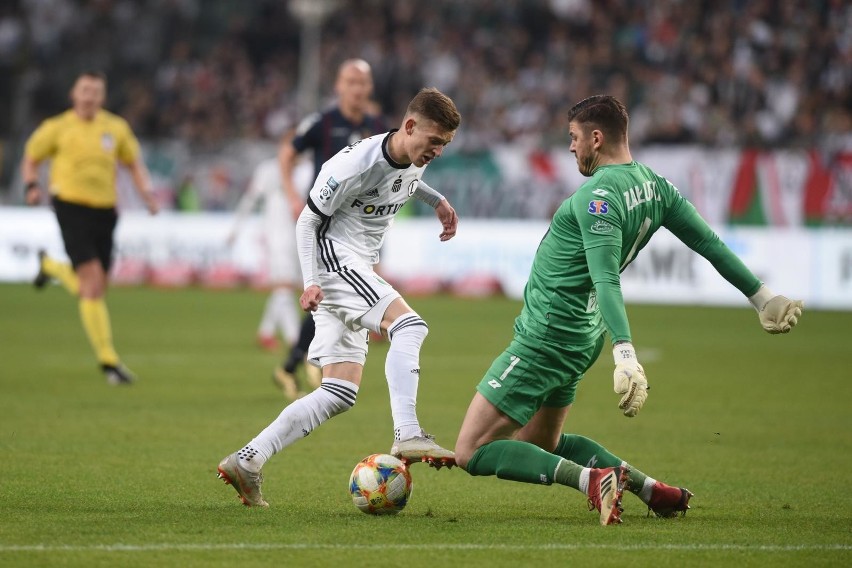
574, 290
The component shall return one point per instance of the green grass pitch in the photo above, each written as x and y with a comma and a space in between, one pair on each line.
757, 426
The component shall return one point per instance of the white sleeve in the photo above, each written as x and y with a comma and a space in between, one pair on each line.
306, 245
427, 195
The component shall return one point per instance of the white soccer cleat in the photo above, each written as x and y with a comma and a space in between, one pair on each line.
245, 482
423, 448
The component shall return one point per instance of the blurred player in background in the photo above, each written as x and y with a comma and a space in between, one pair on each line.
279, 233
325, 133
350, 209
85, 145
513, 427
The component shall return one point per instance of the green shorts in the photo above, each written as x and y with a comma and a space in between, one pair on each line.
523, 379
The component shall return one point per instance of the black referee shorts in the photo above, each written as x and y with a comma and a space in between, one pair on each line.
86, 231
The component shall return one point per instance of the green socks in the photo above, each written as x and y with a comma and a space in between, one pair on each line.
585, 451
524, 462
527, 463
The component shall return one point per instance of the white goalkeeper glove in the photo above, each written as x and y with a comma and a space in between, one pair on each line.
629, 379
778, 314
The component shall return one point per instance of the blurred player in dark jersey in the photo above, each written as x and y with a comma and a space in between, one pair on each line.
325, 134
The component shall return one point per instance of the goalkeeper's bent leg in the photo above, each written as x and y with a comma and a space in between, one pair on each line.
521, 461
587, 452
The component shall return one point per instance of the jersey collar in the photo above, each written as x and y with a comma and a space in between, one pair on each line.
387, 155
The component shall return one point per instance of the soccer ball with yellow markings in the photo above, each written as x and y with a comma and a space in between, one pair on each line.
380, 485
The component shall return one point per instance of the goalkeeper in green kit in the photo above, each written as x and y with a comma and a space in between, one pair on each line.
513, 427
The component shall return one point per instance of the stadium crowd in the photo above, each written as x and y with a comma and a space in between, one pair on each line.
714, 72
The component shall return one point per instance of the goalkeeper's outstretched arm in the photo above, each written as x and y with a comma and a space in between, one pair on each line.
778, 314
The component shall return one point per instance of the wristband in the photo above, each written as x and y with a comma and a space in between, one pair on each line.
760, 298
624, 352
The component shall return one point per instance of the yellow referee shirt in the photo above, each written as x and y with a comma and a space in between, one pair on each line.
85, 155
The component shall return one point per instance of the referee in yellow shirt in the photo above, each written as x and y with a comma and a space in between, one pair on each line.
85, 145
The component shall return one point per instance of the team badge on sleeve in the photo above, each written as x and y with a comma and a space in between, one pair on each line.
328, 189
601, 227
598, 207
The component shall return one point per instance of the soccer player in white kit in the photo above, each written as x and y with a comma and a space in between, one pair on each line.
280, 314
350, 208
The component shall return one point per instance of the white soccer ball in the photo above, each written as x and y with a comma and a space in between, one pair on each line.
380, 485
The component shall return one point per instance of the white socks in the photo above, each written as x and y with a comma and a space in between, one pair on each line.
584, 480
647, 490
280, 313
402, 369
298, 420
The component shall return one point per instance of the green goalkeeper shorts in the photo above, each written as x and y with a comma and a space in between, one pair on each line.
523, 379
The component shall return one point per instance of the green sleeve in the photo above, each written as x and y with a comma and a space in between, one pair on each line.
687, 225
603, 269
601, 234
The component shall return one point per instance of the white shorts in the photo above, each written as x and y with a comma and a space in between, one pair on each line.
354, 303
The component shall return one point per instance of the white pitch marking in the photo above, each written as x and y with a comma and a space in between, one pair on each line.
431, 546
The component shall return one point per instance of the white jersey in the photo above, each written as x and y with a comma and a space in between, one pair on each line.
357, 193
278, 228
265, 186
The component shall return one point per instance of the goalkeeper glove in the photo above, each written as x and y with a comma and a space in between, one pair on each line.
778, 314
629, 379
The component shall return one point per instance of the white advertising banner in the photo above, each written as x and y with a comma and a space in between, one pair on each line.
812, 264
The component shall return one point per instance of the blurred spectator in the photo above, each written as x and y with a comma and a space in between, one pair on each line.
718, 73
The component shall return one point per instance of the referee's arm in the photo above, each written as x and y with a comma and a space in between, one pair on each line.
29, 172
142, 183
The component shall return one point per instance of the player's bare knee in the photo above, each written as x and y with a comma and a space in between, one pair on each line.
464, 450
463, 456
